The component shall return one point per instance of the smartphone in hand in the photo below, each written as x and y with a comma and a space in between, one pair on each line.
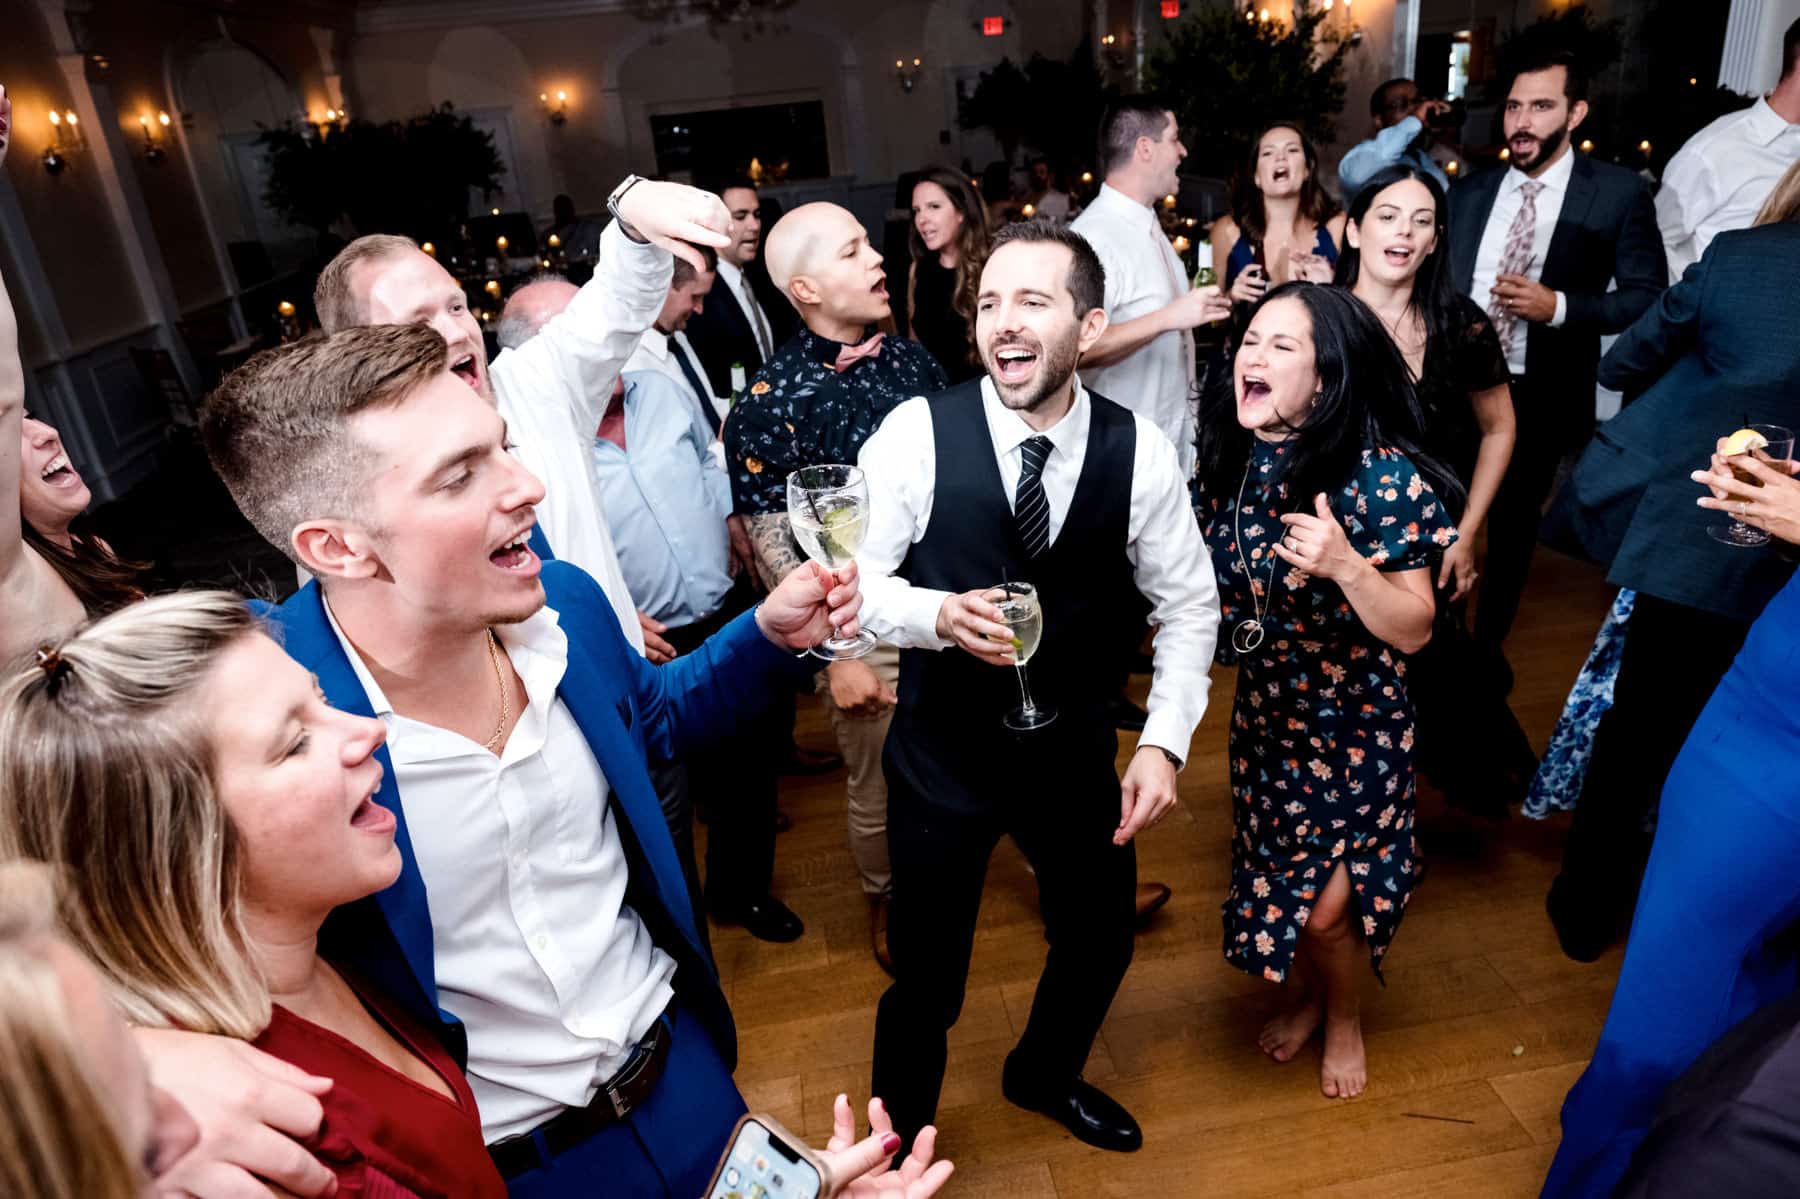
766, 1161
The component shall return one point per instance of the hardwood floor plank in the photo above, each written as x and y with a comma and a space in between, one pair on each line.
1535, 1098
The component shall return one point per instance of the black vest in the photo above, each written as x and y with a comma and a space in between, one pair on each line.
947, 737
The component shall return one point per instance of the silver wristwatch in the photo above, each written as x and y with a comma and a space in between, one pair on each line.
612, 206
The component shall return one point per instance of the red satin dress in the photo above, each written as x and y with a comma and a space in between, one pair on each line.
384, 1135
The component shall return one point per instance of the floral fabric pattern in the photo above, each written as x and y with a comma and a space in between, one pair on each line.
1321, 727
800, 411
1563, 768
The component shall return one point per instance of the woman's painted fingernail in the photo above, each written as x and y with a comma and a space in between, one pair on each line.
890, 1143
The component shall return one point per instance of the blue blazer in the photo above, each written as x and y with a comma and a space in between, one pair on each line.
1718, 350
627, 709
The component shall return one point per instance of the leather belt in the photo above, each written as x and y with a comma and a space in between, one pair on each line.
611, 1104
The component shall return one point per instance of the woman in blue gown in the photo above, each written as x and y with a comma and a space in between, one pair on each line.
1709, 943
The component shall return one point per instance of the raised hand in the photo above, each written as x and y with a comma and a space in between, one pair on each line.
859, 1169
677, 218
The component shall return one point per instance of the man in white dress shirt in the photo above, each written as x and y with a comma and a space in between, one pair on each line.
1026, 476
551, 393
1720, 178
1145, 358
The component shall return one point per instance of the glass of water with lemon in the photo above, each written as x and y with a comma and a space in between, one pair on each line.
1024, 618
828, 510
1770, 443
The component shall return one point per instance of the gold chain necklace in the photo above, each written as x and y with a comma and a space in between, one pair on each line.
1249, 634
493, 743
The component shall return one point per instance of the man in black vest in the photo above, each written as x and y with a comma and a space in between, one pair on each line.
1026, 476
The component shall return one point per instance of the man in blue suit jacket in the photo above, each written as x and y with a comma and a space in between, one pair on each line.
540, 921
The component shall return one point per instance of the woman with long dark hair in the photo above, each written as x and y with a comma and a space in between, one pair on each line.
1397, 261
949, 240
1322, 514
54, 570
1283, 224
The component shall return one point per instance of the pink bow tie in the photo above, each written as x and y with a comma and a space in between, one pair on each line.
849, 356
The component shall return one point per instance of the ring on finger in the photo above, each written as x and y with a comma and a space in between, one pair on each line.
1743, 507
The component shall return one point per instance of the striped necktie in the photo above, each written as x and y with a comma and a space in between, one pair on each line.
1031, 507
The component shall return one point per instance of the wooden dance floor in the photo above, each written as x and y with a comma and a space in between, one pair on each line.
1481, 1030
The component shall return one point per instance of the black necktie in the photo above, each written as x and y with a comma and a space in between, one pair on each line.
1031, 507
702, 393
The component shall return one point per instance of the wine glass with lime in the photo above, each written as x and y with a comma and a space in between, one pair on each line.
828, 510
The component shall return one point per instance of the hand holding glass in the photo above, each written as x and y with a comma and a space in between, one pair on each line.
1020, 610
828, 510
1776, 447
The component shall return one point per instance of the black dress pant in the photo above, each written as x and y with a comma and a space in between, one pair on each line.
1672, 660
735, 781
1063, 822
1512, 524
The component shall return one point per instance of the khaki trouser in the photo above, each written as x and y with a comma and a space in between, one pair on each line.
860, 740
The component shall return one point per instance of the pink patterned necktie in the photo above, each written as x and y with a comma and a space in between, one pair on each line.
1515, 258
849, 356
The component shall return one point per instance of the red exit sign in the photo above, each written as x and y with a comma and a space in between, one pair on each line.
993, 26
1171, 9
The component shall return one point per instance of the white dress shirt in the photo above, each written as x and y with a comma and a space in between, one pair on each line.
763, 333
1493, 244
1143, 274
1720, 179
552, 392
667, 498
553, 977
1168, 558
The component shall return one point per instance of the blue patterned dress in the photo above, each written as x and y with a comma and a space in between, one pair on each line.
1321, 728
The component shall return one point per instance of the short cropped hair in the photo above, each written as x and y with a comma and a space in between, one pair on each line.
277, 428
684, 270
1087, 278
1575, 85
1127, 119
1378, 97
333, 299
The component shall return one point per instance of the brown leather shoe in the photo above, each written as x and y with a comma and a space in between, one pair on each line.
878, 924
1150, 898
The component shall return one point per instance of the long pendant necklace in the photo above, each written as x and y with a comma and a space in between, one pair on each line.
1249, 633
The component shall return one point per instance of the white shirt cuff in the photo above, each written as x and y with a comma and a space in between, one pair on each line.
1163, 730
1562, 311
916, 613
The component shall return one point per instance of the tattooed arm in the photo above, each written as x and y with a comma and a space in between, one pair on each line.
776, 550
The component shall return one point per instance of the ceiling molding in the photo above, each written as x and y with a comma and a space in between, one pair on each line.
404, 16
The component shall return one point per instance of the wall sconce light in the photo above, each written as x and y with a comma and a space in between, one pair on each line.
908, 75
65, 138
557, 107
1112, 47
153, 150
333, 121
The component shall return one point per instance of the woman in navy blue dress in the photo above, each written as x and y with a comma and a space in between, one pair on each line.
1322, 517
1283, 225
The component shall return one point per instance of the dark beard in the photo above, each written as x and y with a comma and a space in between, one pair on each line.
1547, 148
1056, 364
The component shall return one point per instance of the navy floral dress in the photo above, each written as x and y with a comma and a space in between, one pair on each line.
1321, 728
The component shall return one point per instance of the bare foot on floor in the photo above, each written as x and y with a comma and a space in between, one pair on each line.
1345, 1070
1290, 1030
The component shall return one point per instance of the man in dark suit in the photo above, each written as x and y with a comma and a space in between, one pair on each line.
740, 324
1536, 243
1715, 352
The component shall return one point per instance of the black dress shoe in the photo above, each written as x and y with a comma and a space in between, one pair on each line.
1127, 715
768, 919
1087, 1113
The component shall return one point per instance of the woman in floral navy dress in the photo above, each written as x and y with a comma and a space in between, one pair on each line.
1321, 516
